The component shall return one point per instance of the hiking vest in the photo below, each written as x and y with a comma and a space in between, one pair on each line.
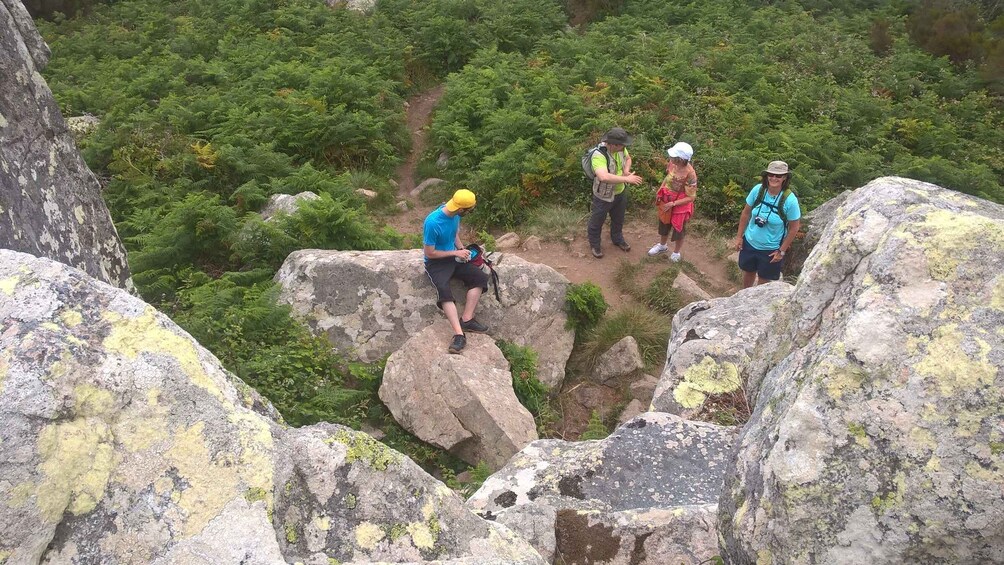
605, 190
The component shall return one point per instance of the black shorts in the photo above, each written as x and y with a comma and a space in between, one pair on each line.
440, 272
754, 260
665, 229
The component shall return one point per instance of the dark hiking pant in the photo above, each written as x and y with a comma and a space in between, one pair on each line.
616, 210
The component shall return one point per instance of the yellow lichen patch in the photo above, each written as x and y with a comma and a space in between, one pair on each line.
322, 523
7, 285
841, 380
428, 509
997, 295
763, 557
933, 464
210, 484
951, 238
130, 337
421, 535
77, 460
704, 378
255, 458
71, 318
951, 367
368, 535
51, 327
20, 494
163, 484
922, 439
92, 401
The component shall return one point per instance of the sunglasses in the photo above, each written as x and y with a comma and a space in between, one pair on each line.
773, 176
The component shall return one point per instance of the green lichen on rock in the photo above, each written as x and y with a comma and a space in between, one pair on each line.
350, 501
893, 498
398, 530
704, 378
949, 365
949, 239
362, 447
857, 431
254, 494
291, 535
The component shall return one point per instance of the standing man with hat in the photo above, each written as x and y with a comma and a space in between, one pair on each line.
446, 258
763, 242
612, 166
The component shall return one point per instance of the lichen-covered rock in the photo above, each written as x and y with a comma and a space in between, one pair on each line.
50, 202
711, 344
463, 403
367, 303
623, 358
646, 494
879, 396
812, 226
82, 126
124, 441
285, 204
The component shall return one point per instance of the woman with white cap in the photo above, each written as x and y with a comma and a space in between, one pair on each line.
675, 199
763, 242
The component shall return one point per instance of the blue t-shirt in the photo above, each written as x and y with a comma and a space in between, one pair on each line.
769, 237
440, 230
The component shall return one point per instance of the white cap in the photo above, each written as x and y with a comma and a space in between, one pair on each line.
681, 151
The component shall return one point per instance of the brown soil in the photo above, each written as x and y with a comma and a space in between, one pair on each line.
571, 257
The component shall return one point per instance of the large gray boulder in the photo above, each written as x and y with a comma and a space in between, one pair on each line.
710, 346
367, 303
463, 403
879, 395
647, 494
287, 204
124, 441
50, 202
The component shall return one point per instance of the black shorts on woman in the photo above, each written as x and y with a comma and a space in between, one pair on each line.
440, 272
753, 260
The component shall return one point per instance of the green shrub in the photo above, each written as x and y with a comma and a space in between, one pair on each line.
532, 394
595, 429
585, 306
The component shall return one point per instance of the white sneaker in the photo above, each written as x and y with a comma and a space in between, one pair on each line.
657, 249
675, 257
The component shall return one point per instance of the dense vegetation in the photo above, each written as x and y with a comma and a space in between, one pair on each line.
210, 106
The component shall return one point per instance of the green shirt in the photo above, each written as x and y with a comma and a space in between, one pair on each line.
600, 162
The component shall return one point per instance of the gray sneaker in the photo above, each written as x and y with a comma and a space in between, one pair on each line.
473, 326
458, 344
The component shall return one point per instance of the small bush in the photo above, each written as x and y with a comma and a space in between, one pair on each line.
595, 429
650, 329
585, 306
532, 394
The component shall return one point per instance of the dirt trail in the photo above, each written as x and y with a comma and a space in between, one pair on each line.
420, 108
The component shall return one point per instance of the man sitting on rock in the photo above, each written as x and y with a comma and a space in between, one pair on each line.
446, 258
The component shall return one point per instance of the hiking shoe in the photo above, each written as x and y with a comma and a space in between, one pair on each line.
473, 325
675, 257
458, 344
597, 253
657, 249
623, 246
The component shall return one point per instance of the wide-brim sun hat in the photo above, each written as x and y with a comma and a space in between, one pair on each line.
681, 151
462, 198
777, 168
618, 136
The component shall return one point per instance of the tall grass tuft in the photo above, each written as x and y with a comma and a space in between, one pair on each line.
555, 222
649, 328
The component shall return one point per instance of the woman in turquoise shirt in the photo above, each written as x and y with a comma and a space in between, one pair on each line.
763, 242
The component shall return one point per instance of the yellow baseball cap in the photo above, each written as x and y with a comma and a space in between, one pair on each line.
462, 198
